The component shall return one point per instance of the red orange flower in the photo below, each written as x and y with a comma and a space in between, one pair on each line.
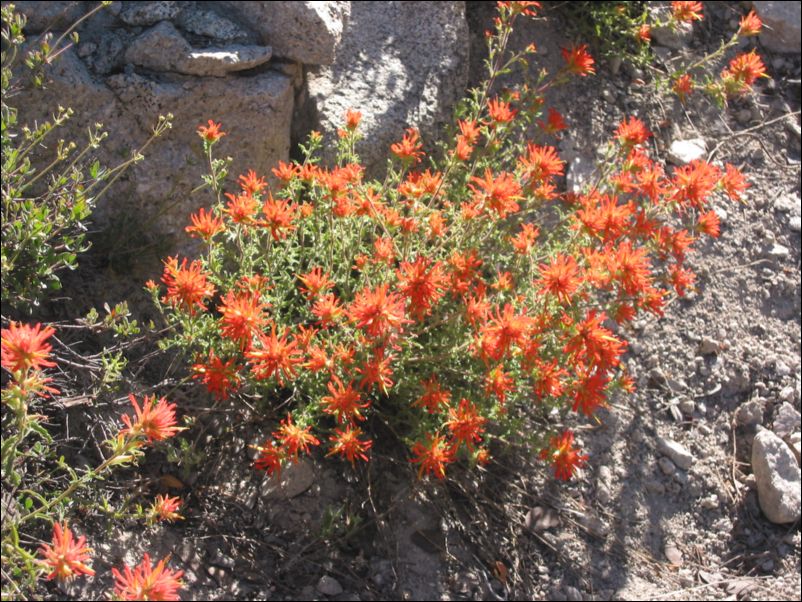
242, 316
434, 396
251, 183
220, 378
352, 119
348, 444
683, 86
187, 287
295, 438
733, 182
24, 347
344, 401
433, 456
500, 111
147, 582
270, 458
540, 164
562, 454
742, 72
377, 370
423, 283
687, 11
554, 122
378, 312
204, 225
409, 149
165, 508
315, 281
327, 309
633, 132
155, 419
274, 357
465, 423
750, 25
241, 208
211, 133
578, 61
644, 34
525, 239
560, 277
279, 215
497, 193
65, 555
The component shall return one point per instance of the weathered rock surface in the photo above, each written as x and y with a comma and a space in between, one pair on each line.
148, 13
682, 152
677, 452
202, 22
163, 48
781, 31
256, 111
401, 64
677, 37
49, 16
778, 478
304, 32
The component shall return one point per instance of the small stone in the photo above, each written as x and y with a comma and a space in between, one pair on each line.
655, 486
710, 503
788, 204
749, 413
778, 478
539, 519
673, 554
786, 394
786, 420
744, 116
781, 368
709, 345
603, 494
778, 251
667, 467
687, 406
329, 586
677, 452
795, 223
682, 152
294, 480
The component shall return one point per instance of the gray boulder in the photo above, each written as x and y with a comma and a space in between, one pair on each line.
400, 64
781, 26
778, 478
303, 32
163, 48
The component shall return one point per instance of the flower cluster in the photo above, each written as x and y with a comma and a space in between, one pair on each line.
451, 301
66, 557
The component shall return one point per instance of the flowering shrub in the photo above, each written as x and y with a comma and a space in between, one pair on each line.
452, 300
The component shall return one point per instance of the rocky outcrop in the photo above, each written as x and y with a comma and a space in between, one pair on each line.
782, 31
242, 64
400, 64
163, 48
302, 32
